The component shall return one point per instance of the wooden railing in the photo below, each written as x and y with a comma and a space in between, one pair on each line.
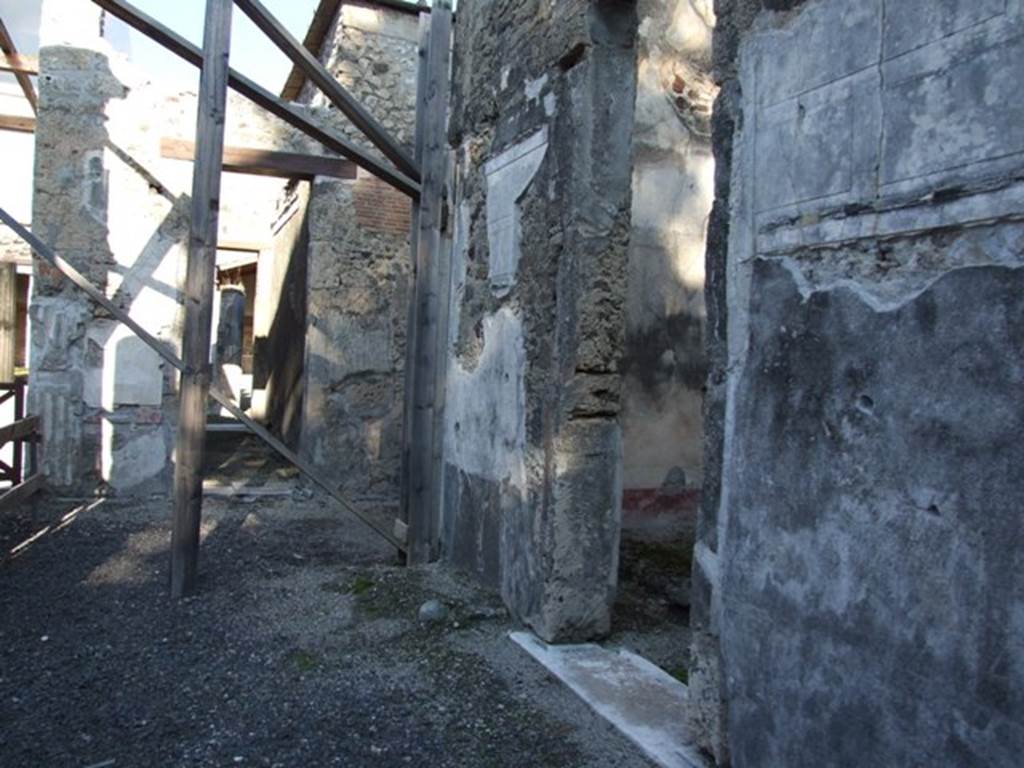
24, 433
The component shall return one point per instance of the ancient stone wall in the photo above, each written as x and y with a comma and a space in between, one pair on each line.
359, 267
542, 130
109, 203
858, 588
664, 368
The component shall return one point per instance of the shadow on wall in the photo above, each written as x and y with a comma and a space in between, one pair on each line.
664, 365
103, 394
279, 356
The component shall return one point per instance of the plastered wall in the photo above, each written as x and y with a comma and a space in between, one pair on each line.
858, 589
541, 130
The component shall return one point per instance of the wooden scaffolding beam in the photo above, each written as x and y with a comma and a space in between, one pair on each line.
420, 488
47, 254
264, 162
19, 63
199, 281
8, 321
330, 87
7, 47
262, 97
17, 123
419, 495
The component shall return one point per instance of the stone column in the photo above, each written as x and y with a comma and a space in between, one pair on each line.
104, 397
230, 339
542, 127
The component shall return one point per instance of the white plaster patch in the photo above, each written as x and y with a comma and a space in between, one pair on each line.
130, 372
135, 461
534, 88
549, 105
508, 176
457, 275
643, 702
485, 424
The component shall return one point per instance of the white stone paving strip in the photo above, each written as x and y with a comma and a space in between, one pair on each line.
642, 701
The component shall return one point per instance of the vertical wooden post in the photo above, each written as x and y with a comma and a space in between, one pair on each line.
19, 448
8, 321
414, 237
199, 279
420, 497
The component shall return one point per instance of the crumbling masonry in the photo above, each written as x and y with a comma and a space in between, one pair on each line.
544, 98
858, 587
830, 362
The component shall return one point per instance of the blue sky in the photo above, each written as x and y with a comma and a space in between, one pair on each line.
251, 53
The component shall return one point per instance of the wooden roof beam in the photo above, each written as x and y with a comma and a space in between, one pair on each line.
19, 63
260, 96
263, 162
7, 47
19, 123
330, 87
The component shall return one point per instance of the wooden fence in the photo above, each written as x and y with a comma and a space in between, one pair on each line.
24, 434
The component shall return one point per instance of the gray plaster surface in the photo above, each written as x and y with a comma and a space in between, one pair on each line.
879, 590
508, 176
856, 585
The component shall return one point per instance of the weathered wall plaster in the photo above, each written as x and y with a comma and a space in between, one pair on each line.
541, 125
664, 365
508, 176
858, 590
359, 267
279, 320
107, 201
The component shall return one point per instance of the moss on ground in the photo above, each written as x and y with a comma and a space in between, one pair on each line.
304, 661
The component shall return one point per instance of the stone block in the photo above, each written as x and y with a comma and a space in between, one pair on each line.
508, 176
910, 24
835, 40
953, 104
124, 369
132, 456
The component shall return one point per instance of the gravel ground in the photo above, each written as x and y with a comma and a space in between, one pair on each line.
302, 648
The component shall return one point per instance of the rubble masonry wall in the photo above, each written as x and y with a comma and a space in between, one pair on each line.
541, 128
108, 202
359, 267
